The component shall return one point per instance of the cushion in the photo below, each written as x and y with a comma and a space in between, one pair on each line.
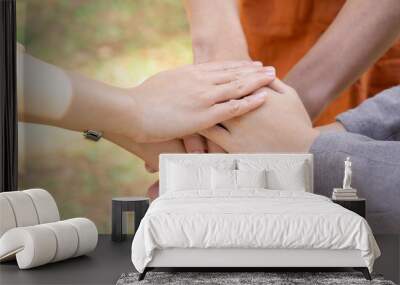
281, 175
7, 219
27, 208
34, 244
251, 178
23, 208
40, 244
46, 207
193, 175
87, 233
67, 238
223, 179
181, 178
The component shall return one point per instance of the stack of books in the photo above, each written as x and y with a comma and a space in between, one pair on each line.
344, 194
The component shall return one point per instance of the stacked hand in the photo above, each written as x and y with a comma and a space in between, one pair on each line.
228, 102
282, 124
186, 100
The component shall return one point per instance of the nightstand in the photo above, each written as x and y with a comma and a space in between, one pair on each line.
357, 205
123, 209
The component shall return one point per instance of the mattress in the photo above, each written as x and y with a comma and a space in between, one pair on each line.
250, 219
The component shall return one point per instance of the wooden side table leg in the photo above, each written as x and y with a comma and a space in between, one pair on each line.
363, 210
116, 232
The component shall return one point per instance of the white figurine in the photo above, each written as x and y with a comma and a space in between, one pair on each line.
347, 174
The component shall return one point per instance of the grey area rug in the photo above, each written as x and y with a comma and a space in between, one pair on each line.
232, 278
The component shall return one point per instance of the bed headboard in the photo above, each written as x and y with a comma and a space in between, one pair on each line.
215, 157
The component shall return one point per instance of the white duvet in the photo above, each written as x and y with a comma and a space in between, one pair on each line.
250, 219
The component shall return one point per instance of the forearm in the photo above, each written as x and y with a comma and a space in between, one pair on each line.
376, 174
360, 34
56, 97
217, 35
216, 30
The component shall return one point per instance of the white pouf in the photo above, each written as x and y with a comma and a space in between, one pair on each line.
37, 245
31, 232
46, 207
87, 233
23, 208
67, 240
7, 219
33, 246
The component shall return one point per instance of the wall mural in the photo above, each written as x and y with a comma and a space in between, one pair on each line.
120, 43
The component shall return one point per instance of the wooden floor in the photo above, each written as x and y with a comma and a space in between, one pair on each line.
110, 260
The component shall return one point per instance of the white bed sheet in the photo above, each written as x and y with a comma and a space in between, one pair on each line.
251, 218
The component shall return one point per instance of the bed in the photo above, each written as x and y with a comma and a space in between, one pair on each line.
246, 211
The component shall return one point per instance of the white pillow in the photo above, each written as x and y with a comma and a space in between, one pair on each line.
281, 174
292, 179
188, 174
181, 177
223, 179
251, 178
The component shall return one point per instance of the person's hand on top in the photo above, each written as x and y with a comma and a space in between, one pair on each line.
282, 124
183, 101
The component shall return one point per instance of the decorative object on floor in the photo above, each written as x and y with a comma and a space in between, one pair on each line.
123, 209
31, 231
242, 278
347, 192
357, 206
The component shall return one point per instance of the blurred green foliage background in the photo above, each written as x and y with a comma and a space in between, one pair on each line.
120, 42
